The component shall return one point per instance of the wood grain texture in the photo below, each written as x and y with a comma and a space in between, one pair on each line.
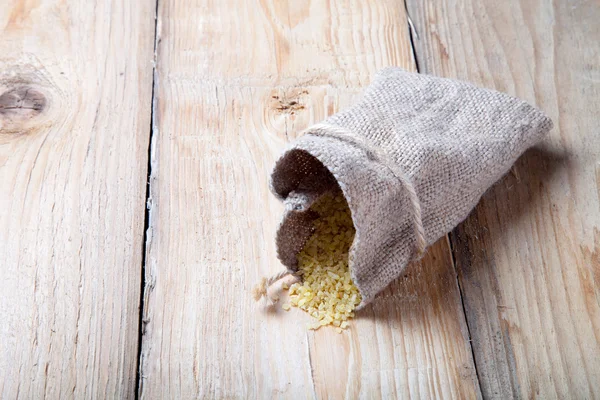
235, 82
75, 94
529, 256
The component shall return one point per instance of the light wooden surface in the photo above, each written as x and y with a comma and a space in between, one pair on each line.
75, 84
529, 256
235, 83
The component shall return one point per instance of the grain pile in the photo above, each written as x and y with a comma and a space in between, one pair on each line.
327, 291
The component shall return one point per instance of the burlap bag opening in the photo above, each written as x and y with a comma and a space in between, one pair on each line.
412, 157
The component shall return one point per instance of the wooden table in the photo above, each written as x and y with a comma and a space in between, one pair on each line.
136, 140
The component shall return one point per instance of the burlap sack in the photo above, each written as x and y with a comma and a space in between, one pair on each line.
412, 157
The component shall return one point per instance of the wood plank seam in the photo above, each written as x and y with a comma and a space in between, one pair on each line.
147, 209
462, 302
412, 36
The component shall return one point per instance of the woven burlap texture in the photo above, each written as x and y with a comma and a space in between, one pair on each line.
450, 139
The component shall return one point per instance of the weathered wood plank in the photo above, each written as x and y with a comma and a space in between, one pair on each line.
75, 95
528, 257
236, 81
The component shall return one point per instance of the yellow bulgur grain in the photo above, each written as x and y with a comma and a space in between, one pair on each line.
302, 302
286, 307
327, 291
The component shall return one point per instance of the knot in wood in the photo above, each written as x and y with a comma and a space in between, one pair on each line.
23, 102
289, 103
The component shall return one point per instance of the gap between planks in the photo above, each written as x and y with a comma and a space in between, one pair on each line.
147, 208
